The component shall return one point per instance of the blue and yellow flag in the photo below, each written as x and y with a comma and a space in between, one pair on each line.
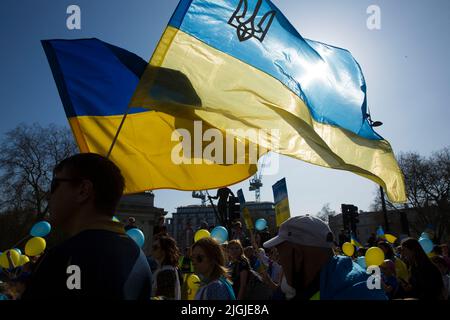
380, 233
96, 81
251, 69
354, 241
281, 200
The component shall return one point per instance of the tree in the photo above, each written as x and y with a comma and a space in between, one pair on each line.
427, 182
14, 225
325, 213
28, 155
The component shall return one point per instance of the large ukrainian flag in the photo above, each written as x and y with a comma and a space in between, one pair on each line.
95, 81
252, 70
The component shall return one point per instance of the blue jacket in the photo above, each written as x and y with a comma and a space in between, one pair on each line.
342, 279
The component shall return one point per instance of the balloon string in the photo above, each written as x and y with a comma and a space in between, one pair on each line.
22, 240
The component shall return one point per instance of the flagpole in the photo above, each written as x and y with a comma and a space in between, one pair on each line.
214, 207
118, 132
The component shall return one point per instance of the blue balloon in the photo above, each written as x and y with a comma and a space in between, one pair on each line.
361, 261
137, 235
427, 245
220, 234
260, 224
425, 235
41, 229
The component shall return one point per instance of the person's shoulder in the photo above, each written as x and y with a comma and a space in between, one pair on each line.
100, 234
215, 285
217, 290
49, 276
54, 257
104, 240
93, 249
342, 279
244, 264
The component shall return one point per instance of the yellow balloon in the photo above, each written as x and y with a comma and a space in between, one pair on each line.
193, 281
348, 249
193, 284
200, 234
390, 238
35, 246
374, 257
23, 260
15, 258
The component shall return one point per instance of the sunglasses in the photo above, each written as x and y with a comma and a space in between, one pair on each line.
199, 258
56, 182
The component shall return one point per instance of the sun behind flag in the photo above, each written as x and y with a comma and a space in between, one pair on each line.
252, 70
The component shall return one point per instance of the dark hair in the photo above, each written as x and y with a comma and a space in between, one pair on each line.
438, 260
389, 251
107, 180
169, 246
215, 254
237, 242
362, 251
420, 257
251, 249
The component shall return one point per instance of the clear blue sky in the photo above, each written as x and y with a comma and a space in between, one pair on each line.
406, 65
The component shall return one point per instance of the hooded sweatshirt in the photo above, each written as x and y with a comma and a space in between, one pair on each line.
342, 279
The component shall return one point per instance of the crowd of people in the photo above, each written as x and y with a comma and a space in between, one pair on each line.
301, 262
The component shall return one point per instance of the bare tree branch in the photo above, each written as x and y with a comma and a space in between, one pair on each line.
427, 183
28, 154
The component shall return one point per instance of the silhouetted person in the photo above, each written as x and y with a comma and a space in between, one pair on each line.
222, 206
85, 191
425, 282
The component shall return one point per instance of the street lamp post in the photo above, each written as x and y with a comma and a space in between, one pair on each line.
374, 124
383, 205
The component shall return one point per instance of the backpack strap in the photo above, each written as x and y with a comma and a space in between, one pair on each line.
178, 280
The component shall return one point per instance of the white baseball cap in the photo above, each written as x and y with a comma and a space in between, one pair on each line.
304, 230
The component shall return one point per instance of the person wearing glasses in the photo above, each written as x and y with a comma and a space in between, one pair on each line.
209, 263
311, 271
167, 278
97, 259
